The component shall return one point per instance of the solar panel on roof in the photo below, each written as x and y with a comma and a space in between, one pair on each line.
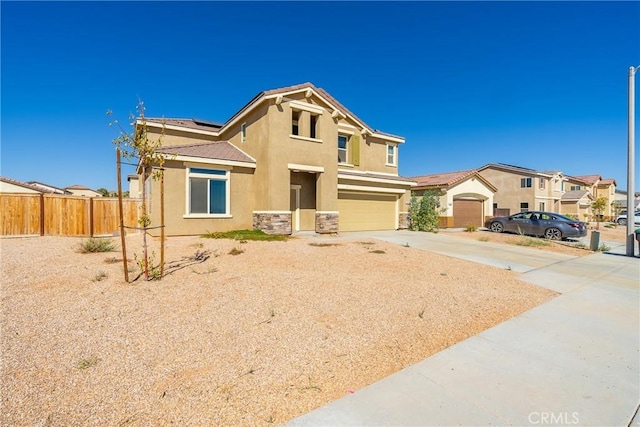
207, 123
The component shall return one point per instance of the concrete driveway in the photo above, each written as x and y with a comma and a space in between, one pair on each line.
574, 360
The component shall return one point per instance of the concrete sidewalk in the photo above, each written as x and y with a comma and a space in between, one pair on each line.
574, 360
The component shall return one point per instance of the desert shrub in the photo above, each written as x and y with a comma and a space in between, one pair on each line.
423, 213
94, 244
236, 251
531, 241
470, 228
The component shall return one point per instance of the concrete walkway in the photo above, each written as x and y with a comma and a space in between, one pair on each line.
574, 360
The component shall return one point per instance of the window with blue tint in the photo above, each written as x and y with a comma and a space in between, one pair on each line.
208, 191
207, 171
217, 196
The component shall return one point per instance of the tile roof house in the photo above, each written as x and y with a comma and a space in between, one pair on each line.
577, 203
597, 187
291, 159
466, 198
81, 190
522, 189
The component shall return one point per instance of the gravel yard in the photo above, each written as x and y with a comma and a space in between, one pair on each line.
255, 338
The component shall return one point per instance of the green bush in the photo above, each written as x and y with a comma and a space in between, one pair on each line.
423, 213
245, 235
96, 245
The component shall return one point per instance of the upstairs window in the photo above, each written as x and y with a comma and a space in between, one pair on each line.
542, 183
313, 125
243, 132
342, 148
525, 183
295, 117
208, 191
575, 187
392, 155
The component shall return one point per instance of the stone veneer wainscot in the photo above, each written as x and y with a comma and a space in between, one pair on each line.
327, 222
272, 222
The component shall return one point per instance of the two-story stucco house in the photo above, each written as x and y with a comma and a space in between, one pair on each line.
597, 187
292, 159
522, 189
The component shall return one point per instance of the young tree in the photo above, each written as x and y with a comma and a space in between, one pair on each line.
103, 191
424, 214
598, 206
138, 145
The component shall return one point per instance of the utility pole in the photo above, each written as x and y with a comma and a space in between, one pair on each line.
631, 209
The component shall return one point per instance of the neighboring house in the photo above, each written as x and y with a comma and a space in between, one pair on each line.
466, 198
8, 185
81, 190
46, 188
521, 189
292, 159
598, 187
134, 186
620, 201
577, 203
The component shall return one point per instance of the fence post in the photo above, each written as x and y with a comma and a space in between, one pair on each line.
91, 225
41, 214
122, 236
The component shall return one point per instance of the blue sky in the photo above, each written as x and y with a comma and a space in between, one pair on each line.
535, 84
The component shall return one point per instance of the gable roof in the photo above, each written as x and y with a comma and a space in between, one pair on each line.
216, 150
195, 124
607, 181
78, 187
46, 188
515, 169
575, 195
27, 185
587, 179
447, 179
337, 108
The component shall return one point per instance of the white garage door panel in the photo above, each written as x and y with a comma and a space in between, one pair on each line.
366, 212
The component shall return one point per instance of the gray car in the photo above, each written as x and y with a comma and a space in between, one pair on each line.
551, 225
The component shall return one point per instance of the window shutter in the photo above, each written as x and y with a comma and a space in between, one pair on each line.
355, 150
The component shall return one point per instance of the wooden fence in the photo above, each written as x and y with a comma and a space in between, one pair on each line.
56, 215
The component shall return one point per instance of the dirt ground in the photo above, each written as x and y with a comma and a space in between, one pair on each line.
255, 338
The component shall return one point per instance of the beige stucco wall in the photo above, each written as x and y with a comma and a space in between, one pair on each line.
134, 186
510, 194
471, 188
83, 193
7, 187
580, 210
242, 193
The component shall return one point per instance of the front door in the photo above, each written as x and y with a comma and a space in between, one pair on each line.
294, 203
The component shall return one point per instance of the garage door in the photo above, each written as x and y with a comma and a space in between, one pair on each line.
466, 212
366, 211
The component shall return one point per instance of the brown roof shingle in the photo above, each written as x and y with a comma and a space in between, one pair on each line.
442, 179
219, 150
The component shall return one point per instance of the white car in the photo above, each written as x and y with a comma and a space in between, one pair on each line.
622, 219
